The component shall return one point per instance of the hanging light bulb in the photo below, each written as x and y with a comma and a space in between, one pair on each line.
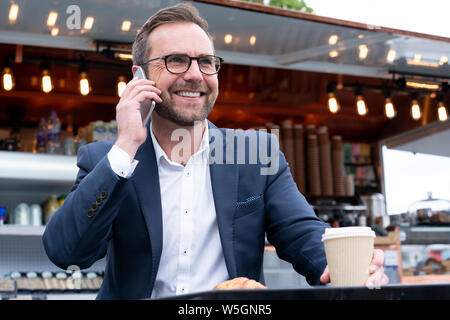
361, 106
7, 79
415, 110
46, 81
333, 104
121, 84
389, 108
84, 84
442, 111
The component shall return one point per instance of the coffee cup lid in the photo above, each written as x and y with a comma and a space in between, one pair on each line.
333, 233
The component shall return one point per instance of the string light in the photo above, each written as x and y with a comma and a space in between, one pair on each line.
121, 84
46, 81
361, 106
84, 84
333, 104
7, 79
389, 108
442, 111
416, 113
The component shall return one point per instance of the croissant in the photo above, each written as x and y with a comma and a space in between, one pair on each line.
239, 283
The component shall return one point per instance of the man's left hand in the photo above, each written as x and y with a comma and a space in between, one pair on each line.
377, 277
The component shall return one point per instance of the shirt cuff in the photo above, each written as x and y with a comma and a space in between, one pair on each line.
120, 163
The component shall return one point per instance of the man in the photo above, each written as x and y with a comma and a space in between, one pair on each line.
168, 220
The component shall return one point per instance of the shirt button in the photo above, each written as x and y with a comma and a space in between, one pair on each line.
185, 252
186, 212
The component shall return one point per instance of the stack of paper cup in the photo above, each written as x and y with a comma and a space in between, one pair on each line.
313, 165
349, 253
338, 166
326, 173
287, 134
299, 146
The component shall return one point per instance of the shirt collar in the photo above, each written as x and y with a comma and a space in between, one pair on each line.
160, 153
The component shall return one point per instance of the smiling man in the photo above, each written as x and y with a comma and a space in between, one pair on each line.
171, 223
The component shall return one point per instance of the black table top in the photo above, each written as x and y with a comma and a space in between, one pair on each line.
438, 291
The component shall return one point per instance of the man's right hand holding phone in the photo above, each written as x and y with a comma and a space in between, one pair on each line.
131, 132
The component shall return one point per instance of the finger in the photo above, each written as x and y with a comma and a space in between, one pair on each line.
377, 257
135, 82
147, 95
138, 89
377, 279
325, 277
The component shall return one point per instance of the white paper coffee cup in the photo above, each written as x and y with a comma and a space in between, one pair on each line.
349, 253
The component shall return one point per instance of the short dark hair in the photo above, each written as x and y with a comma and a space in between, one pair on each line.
181, 12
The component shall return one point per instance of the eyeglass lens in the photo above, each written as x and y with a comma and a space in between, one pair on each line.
179, 63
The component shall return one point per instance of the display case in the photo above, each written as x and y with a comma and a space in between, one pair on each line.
425, 254
30, 178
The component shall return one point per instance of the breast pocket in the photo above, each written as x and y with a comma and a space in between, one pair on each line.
249, 205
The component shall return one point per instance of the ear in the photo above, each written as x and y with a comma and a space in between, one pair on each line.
134, 68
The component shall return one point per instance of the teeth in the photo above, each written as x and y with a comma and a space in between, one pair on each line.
189, 94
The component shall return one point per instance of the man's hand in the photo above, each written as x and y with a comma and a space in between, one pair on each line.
377, 277
130, 131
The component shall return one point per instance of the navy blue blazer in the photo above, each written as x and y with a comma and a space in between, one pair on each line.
121, 218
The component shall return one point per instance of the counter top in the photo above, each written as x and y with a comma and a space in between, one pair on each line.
390, 292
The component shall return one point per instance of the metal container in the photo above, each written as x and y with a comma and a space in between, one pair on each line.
22, 214
376, 209
430, 211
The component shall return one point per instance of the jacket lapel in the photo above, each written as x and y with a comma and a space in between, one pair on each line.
224, 182
146, 183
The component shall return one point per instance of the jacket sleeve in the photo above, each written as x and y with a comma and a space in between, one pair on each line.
292, 225
78, 231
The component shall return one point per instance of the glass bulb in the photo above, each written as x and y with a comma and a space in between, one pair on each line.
389, 109
84, 84
8, 82
121, 84
46, 82
333, 105
415, 110
361, 106
442, 112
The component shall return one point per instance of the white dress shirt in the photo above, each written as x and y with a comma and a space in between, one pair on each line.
192, 257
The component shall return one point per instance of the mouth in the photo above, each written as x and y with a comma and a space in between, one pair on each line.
189, 94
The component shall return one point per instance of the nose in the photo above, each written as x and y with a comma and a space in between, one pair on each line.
193, 73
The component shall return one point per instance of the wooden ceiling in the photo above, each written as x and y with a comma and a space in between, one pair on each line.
249, 97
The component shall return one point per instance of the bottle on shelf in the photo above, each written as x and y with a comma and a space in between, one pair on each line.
50, 207
41, 136
53, 134
68, 139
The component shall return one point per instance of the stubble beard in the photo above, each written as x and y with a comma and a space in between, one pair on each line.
168, 111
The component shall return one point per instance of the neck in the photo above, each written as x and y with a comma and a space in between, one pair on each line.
179, 143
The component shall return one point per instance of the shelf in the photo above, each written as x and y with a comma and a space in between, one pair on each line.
18, 230
41, 167
23, 172
425, 235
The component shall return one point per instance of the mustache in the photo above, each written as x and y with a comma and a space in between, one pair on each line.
189, 85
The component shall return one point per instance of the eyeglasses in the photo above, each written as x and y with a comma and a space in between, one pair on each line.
180, 63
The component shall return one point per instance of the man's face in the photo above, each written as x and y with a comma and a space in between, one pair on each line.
190, 96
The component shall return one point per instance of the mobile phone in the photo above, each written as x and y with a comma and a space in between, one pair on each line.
146, 107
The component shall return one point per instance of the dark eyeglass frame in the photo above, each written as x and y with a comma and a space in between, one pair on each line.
189, 64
